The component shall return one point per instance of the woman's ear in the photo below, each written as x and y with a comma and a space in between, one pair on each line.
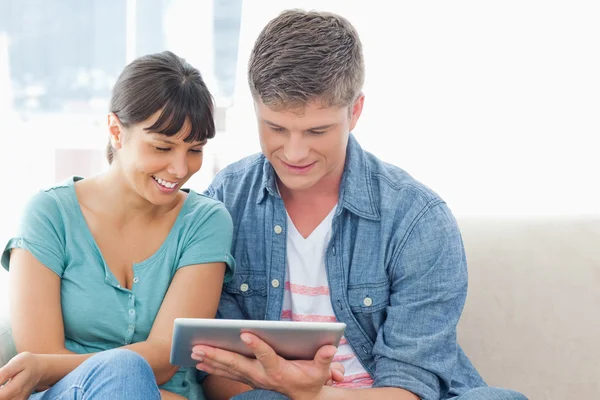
115, 130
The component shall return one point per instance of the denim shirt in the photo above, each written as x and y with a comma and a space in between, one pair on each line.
395, 264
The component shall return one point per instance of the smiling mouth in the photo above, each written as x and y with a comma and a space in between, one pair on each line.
164, 183
299, 168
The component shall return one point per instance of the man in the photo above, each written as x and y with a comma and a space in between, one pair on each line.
325, 231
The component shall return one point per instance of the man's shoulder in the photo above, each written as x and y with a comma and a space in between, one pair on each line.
391, 180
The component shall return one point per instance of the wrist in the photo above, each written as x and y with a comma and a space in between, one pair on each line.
42, 369
312, 395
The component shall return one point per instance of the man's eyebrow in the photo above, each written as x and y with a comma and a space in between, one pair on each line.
272, 123
314, 128
321, 127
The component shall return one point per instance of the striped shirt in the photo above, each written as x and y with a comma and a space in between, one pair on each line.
307, 297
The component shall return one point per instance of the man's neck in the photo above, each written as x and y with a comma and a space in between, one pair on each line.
308, 208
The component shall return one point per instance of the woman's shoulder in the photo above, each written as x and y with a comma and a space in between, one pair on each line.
56, 198
199, 208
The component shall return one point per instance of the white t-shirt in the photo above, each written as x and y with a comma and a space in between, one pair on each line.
307, 293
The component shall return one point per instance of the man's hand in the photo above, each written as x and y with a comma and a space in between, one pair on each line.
20, 377
295, 379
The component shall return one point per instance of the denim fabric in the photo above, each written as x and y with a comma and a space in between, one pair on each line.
395, 264
490, 393
260, 394
482, 393
109, 375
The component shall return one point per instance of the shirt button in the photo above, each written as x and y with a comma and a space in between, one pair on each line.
244, 287
20, 243
365, 350
278, 229
132, 312
368, 301
131, 328
119, 286
136, 279
333, 250
275, 283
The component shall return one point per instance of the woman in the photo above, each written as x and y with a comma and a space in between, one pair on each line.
102, 266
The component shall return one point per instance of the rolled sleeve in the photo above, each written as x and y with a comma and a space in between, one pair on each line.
41, 232
416, 348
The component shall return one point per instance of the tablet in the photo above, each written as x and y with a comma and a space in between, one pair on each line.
290, 339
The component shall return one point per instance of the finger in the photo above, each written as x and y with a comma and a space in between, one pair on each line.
211, 370
9, 371
262, 351
222, 372
14, 388
230, 363
337, 376
337, 371
224, 368
324, 356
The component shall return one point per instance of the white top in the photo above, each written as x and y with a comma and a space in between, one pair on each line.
307, 296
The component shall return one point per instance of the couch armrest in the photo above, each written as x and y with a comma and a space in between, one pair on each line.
7, 344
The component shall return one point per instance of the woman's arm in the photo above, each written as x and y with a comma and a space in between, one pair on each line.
193, 293
35, 308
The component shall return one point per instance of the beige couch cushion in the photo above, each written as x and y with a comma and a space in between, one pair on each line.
532, 318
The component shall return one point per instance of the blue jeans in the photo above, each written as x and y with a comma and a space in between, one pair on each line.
112, 374
482, 393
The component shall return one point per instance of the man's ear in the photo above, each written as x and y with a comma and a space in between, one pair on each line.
115, 131
356, 110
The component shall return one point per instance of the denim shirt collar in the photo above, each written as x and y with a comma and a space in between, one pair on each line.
356, 192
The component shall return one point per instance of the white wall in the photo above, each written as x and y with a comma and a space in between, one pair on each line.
495, 105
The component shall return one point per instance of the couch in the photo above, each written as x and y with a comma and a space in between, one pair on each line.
532, 317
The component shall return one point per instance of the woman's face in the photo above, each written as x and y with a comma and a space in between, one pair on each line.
156, 166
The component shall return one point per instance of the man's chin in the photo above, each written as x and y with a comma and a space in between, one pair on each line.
297, 183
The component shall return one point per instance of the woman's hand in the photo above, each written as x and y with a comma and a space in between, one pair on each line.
166, 395
20, 376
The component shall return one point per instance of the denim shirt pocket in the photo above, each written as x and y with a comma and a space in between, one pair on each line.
250, 291
368, 303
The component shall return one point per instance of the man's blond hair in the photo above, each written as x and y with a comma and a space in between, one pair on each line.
303, 56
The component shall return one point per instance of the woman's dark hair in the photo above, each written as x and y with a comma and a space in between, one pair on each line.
163, 81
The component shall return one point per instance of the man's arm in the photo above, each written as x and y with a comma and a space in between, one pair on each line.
416, 347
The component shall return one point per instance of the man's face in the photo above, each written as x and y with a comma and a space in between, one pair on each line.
307, 147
